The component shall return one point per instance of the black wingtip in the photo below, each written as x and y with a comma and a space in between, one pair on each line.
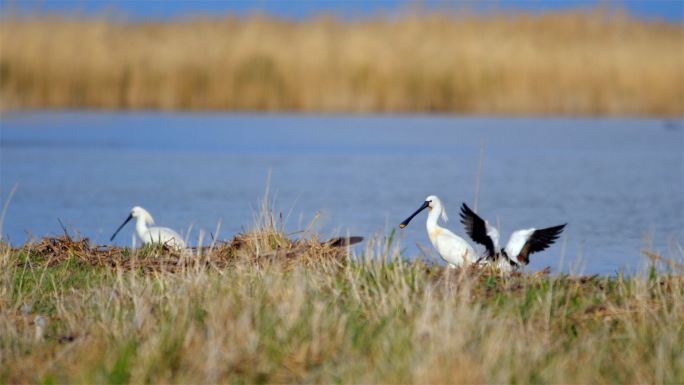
465, 212
344, 241
543, 238
557, 229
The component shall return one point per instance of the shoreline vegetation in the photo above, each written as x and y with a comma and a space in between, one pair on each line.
263, 308
584, 62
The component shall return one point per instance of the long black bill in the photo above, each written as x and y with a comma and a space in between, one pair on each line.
406, 222
130, 216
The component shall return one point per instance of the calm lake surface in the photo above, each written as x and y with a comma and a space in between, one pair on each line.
619, 183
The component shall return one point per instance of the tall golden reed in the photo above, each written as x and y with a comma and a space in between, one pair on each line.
574, 62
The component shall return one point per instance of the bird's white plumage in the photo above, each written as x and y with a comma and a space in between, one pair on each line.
452, 248
493, 234
520, 245
163, 235
517, 241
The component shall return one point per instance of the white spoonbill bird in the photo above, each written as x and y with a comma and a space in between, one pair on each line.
519, 247
162, 235
452, 248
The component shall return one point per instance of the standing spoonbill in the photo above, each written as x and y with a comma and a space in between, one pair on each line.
452, 248
162, 235
519, 247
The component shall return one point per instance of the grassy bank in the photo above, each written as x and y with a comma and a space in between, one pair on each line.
593, 62
264, 309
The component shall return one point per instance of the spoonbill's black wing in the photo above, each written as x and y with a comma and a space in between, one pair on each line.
525, 242
480, 231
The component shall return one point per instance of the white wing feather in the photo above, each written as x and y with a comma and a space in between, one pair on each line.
493, 234
517, 242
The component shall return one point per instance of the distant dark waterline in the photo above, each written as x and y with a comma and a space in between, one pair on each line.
619, 183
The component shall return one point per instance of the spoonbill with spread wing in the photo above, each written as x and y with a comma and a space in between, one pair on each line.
162, 235
519, 247
452, 248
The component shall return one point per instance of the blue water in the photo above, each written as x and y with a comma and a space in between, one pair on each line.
669, 10
619, 183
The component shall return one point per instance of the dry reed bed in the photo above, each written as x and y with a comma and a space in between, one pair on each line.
592, 62
316, 316
255, 248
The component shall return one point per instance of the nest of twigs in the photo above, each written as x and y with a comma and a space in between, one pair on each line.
243, 248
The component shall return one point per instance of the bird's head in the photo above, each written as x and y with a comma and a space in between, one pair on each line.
433, 203
139, 212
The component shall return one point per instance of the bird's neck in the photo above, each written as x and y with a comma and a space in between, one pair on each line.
141, 226
432, 227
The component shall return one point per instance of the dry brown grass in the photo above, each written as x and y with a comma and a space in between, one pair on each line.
265, 308
250, 248
373, 319
596, 62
